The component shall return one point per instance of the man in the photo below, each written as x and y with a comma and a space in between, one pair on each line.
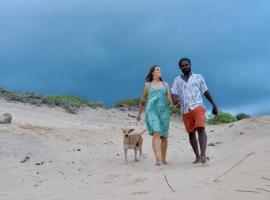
186, 93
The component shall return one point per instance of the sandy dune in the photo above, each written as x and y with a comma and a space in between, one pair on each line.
47, 153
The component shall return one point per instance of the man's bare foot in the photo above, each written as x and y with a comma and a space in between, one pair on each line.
197, 160
204, 159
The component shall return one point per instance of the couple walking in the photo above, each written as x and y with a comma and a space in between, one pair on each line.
185, 94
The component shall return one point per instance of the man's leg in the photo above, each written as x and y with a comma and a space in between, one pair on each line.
203, 143
189, 125
194, 143
200, 121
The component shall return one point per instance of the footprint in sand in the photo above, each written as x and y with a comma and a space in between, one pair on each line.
140, 193
110, 178
139, 181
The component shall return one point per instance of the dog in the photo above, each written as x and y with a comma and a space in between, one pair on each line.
132, 141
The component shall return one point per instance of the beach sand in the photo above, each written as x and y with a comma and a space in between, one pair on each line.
46, 153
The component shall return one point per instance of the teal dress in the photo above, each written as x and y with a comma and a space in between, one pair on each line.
157, 113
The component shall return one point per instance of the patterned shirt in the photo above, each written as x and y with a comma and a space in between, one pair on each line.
189, 92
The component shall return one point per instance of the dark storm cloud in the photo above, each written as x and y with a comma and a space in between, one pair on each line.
101, 50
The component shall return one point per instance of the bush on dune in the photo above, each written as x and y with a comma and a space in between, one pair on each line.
133, 104
129, 103
71, 104
69, 99
242, 116
225, 117
221, 117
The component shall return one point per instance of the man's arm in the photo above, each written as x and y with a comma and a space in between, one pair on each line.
208, 96
210, 99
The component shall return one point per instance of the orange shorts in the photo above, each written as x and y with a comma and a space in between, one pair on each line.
194, 119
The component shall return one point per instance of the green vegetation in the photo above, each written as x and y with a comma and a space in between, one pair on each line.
70, 103
73, 104
70, 99
130, 103
225, 117
174, 110
242, 116
133, 104
222, 117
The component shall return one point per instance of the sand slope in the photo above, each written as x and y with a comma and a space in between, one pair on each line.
47, 153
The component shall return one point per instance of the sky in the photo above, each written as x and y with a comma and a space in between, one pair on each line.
101, 50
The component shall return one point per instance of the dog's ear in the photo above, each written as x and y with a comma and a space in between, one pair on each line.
124, 130
131, 130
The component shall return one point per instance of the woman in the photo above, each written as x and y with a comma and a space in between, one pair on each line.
157, 114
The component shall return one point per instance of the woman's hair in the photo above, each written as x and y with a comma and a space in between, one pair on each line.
149, 77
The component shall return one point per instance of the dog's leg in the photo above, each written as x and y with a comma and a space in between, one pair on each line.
125, 151
143, 156
140, 153
135, 150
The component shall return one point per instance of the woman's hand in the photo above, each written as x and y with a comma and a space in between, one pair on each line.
138, 117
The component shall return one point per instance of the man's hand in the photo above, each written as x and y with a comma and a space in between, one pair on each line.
215, 110
209, 98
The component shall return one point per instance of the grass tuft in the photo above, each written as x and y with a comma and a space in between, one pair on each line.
220, 118
71, 104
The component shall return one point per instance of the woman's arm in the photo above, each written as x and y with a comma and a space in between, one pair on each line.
169, 94
142, 102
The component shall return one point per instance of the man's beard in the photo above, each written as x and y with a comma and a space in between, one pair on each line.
186, 71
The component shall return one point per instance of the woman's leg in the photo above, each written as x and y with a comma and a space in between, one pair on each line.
164, 145
156, 147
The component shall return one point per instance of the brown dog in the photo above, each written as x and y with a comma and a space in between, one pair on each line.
132, 141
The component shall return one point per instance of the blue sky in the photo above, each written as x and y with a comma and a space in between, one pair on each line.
102, 50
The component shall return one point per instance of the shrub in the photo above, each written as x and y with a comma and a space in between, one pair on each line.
97, 104
222, 117
70, 108
67, 99
129, 102
240, 116
70, 103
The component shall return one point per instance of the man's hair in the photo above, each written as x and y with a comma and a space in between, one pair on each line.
183, 59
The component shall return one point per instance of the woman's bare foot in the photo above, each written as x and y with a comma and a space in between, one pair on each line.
164, 162
197, 160
158, 163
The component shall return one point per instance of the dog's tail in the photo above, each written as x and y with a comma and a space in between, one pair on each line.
143, 132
